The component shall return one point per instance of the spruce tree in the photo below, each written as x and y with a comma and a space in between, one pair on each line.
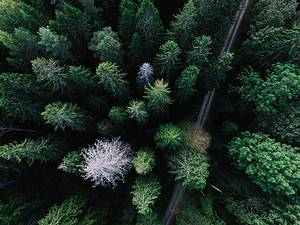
158, 96
137, 111
112, 79
167, 59
65, 116
106, 46
71, 163
185, 85
169, 136
200, 52
143, 161
118, 115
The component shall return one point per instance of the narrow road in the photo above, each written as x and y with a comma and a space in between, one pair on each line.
206, 106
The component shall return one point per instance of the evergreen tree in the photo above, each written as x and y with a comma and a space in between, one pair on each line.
106, 46
167, 59
184, 25
271, 165
143, 161
158, 96
185, 85
23, 47
118, 115
66, 116
29, 151
112, 79
56, 45
144, 192
50, 74
145, 75
137, 110
200, 52
169, 137
281, 86
127, 19
71, 163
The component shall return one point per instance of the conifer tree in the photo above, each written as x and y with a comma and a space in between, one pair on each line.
112, 79
71, 163
127, 19
118, 115
169, 137
137, 110
184, 25
29, 151
144, 192
65, 116
50, 74
106, 46
167, 59
200, 52
185, 86
56, 45
158, 96
145, 75
143, 161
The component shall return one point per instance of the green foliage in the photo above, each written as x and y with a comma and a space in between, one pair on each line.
271, 165
145, 192
274, 13
16, 13
200, 52
152, 218
56, 45
282, 84
50, 74
112, 79
190, 167
137, 110
67, 213
29, 151
72, 23
23, 47
15, 208
185, 85
158, 96
17, 95
167, 59
169, 136
118, 115
126, 27
106, 46
105, 128
184, 25
270, 45
143, 161
96, 217
65, 116
71, 163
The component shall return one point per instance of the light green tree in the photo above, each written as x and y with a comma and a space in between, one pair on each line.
169, 136
143, 161
137, 111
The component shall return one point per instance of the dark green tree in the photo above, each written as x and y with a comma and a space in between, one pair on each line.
200, 52
106, 46
71, 163
169, 136
118, 115
273, 166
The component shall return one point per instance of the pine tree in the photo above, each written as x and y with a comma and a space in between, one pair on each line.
137, 110
158, 96
56, 45
169, 137
106, 46
184, 25
112, 79
127, 19
29, 151
143, 161
185, 86
23, 47
50, 74
144, 192
65, 116
71, 163
200, 52
167, 59
145, 75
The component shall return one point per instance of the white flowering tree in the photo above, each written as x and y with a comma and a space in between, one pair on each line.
145, 75
106, 162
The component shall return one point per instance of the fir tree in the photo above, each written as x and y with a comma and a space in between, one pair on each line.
185, 86
143, 161
29, 151
112, 79
71, 163
158, 96
167, 59
106, 46
137, 110
144, 192
145, 75
56, 45
169, 137
66, 116
200, 52
118, 115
